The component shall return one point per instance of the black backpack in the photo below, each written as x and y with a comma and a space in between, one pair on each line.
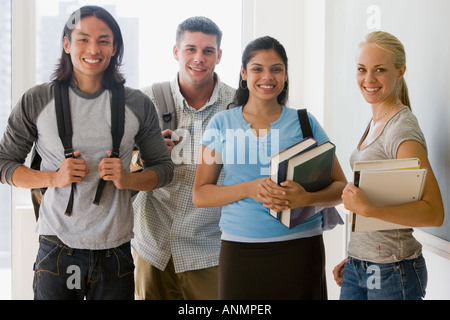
62, 109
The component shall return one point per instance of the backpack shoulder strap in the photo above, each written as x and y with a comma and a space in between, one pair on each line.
63, 118
304, 123
62, 108
117, 130
64, 121
165, 105
117, 117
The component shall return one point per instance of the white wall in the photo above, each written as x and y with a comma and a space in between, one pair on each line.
24, 239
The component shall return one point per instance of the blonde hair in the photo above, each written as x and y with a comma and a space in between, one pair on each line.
391, 44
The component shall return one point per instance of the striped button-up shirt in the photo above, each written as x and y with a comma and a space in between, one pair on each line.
167, 224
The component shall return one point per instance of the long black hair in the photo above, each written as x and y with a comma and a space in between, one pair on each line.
262, 43
112, 75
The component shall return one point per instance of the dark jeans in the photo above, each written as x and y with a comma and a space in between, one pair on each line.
62, 273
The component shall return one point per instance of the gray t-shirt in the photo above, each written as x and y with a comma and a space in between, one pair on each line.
33, 120
389, 245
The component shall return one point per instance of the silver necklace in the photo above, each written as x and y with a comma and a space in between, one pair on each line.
386, 113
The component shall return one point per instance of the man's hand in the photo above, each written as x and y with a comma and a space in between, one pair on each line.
72, 170
111, 169
171, 138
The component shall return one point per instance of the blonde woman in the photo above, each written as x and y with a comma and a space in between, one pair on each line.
392, 133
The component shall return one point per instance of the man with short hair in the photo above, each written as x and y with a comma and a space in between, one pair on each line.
176, 244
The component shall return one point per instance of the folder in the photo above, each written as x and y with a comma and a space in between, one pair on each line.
388, 188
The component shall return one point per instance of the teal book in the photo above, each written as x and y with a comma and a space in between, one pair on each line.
313, 170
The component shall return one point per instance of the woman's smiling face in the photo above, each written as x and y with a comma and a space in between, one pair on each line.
376, 75
265, 75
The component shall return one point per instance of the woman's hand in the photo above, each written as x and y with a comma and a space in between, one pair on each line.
355, 200
339, 271
288, 195
271, 195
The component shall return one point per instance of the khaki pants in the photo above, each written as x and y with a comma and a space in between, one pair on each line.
154, 284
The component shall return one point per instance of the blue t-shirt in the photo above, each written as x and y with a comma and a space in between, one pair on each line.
246, 157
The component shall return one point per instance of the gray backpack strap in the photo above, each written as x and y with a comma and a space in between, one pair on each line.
165, 105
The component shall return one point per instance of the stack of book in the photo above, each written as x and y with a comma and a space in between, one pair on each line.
387, 183
308, 164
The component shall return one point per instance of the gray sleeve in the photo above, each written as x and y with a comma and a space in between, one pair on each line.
403, 129
152, 147
21, 131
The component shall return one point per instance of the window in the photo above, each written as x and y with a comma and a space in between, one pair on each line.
5, 108
148, 29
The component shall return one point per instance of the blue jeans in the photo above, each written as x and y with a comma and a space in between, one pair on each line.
62, 273
404, 280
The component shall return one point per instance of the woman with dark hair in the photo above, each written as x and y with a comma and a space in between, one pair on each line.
261, 258
85, 254
264, 43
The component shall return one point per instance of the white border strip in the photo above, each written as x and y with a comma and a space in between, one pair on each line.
432, 243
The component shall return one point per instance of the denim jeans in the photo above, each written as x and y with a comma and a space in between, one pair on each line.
404, 280
62, 273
